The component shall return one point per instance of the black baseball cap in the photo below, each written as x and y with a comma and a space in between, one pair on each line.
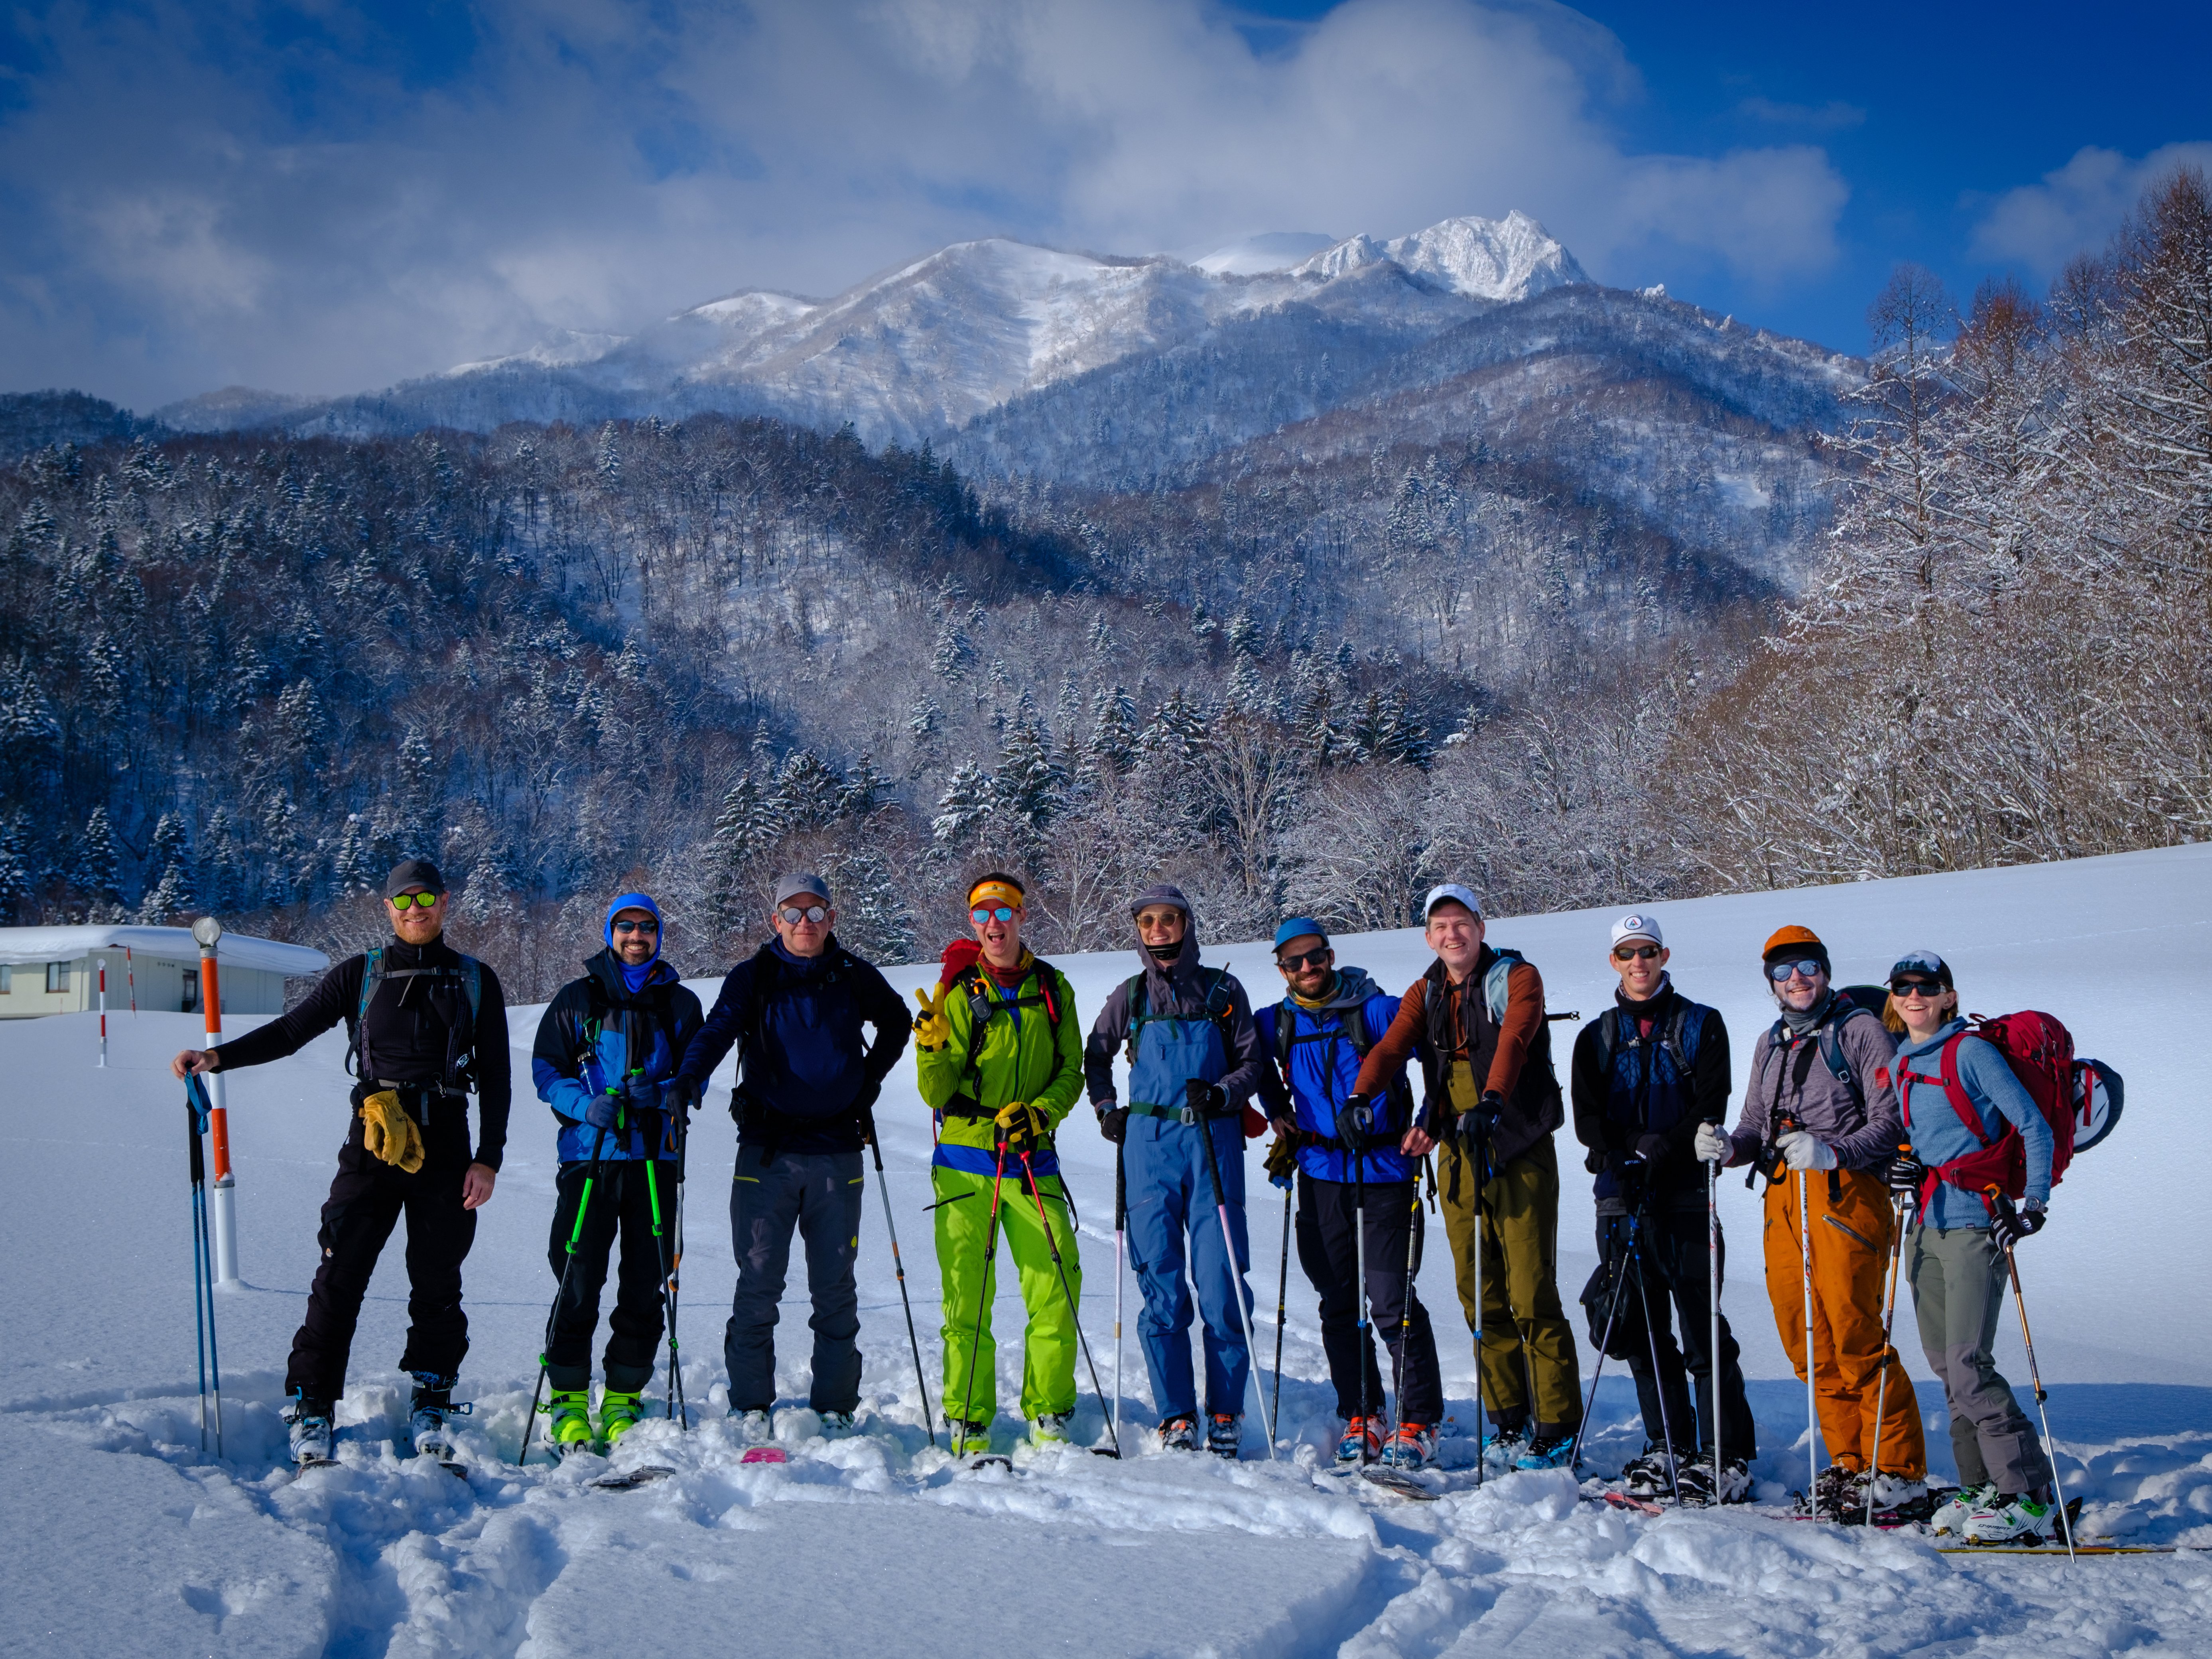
413, 872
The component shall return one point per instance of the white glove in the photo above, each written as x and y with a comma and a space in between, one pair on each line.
1803, 1150
1713, 1146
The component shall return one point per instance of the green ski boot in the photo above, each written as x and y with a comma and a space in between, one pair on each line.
570, 1431
618, 1414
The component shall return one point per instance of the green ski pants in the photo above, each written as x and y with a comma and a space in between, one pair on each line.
963, 1213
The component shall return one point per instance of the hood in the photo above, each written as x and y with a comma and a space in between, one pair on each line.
614, 975
637, 978
1354, 987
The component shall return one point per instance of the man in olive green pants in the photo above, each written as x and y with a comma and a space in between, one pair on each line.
1476, 1019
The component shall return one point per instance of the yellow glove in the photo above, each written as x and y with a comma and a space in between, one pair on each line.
389, 1133
933, 1027
1282, 1165
1023, 1125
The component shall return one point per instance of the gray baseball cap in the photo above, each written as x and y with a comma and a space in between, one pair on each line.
792, 883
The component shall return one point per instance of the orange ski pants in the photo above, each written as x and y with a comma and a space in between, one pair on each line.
1852, 1233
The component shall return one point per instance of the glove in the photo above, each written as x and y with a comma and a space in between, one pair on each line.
1282, 1163
1206, 1099
604, 1111
1113, 1123
1493, 1108
2009, 1225
644, 1094
1355, 1124
1801, 1149
1022, 1125
1713, 1145
680, 1099
388, 1132
1907, 1175
933, 1027
1650, 1148
1595, 1160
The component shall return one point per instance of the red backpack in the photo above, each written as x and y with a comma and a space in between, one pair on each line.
2071, 1094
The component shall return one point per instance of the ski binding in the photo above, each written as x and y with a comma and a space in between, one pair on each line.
629, 1479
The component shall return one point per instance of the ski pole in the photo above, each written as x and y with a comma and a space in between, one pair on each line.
1067, 1290
1120, 1224
1812, 1406
1236, 1294
2002, 1205
196, 1108
1612, 1317
560, 1291
1713, 1302
1658, 1380
676, 1271
1888, 1315
898, 1266
1405, 1307
667, 1287
990, 1267
1474, 1173
1359, 1273
1282, 1300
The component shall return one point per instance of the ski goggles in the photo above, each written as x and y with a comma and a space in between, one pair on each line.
648, 926
1810, 967
793, 915
1634, 952
420, 901
984, 913
1915, 987
1320, 958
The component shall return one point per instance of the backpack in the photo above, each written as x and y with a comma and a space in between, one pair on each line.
2080, 1099
1852, 1002
459, 1068
1354, 1030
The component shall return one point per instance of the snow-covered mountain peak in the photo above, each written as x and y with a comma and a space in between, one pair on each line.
562, 348
1259, 256
1508, 258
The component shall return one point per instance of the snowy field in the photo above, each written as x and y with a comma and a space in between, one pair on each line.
126, 1542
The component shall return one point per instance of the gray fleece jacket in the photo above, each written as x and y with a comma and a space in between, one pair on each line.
1792, 1073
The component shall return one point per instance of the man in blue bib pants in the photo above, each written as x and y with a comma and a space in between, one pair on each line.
1193, 1060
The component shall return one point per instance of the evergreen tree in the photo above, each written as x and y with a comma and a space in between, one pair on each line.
962, 809
222, 867
808, 794
92, 867
1113, 745
353, 867
864, 793
1030, 786
873, 919
14, 865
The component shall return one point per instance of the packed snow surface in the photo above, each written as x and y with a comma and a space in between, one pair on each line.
128, 1541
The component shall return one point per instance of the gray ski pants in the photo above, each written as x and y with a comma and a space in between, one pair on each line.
819, 1194
1959, 1283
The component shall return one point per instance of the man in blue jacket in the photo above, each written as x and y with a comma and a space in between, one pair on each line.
606, 1047
804, 1107
1354, 1174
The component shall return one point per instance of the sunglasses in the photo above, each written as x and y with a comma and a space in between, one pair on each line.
793, 915
637, 927
1914, 988
420, 901
1635, 952
1320, 958
1778, 971
993, 912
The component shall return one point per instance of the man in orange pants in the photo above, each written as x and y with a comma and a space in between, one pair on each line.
1820, 1075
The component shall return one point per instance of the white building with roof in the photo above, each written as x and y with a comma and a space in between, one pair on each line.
55, 970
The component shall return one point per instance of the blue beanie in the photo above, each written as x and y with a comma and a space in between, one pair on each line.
1298, 927
635, 978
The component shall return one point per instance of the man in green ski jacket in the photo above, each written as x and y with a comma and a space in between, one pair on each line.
999, 1059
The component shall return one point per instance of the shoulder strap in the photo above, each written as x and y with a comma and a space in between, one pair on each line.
1286, 1024
1831, 1050
372, 975
1954, 1091
1494, 984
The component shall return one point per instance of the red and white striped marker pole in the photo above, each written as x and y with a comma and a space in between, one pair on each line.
222, 1197
103, 1013
130, 974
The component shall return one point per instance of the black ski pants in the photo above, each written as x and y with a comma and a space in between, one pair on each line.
621, 1201
1328, 1214
820, 1195
1671, 1253
367, 1197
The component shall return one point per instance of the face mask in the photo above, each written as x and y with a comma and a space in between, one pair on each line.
1164, 954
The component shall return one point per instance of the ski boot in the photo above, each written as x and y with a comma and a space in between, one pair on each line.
314, 1431
1224, 1435
1502, 1447
570, 1428
427, 1412
1897, 1498
1361, 1443
1695, 1480
1051, 1429
754, 1426
618, 1414
1179, 1434
1951, 1516
2017, 1518
1838, 1493
835, 1425
1546, 1451
968, 1439
1652, 1475
1410, 1449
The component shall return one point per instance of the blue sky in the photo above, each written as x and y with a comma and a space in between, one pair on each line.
324, 196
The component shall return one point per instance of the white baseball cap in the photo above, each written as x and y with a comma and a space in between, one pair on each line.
1639, 924
1451, 890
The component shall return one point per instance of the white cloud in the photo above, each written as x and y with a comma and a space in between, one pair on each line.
2077, 208
191, 206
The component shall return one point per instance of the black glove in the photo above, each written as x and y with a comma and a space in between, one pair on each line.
644, 1094
1906, 1175
2010, 1225
1652, 1149
1355, 1124
603, 1110
1493, 1108
679, 1099
1206, 1099
1595, 1160
1113, 1123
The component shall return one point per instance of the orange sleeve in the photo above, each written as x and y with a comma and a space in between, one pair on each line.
1396, 1045
1524, 1018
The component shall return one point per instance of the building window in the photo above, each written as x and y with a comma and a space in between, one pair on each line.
6, 978
57, 976
192, 992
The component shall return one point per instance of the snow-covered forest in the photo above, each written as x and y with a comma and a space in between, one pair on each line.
243, 674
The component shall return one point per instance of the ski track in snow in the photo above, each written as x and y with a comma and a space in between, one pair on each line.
129, 1543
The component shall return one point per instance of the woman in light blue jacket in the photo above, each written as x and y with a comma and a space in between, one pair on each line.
1957, 1250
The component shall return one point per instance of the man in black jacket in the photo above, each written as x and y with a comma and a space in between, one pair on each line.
428, 1025
804, 1107
1647, 1072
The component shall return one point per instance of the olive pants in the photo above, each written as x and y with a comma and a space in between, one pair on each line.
1527, 1353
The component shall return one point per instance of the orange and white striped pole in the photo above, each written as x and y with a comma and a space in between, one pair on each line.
222, 1190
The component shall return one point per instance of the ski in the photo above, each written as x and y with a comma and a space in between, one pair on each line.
1621, 1500
1405, 1485
1006, 1463
2059, 1550
766, 1454
630, 1479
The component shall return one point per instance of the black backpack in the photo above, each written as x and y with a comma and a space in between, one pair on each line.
1353, 1029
